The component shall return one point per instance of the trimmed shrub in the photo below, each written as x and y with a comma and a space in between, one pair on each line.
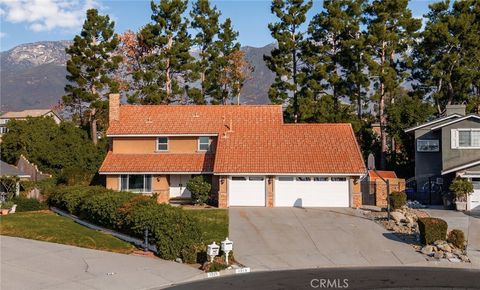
175, 234
462, 188
70, 198
29, 204
200, 189
432, 229
103, 208
457, 238
398, 199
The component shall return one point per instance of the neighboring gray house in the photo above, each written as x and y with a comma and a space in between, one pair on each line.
23, 115
448, 147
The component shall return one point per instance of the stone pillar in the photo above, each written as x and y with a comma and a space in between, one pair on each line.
222, 192
380, 193
356, 193
270, 190
112, 182
161, 186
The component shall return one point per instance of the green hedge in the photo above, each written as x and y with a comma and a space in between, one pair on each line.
432, 229
457, 238
29, 204
398, 199
175, 234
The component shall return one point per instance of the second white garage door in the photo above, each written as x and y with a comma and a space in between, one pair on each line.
246, 191
306, 191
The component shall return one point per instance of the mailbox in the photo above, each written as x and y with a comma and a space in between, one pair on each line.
227, 245
212, 249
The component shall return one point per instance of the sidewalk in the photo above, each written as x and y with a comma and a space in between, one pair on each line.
29, 264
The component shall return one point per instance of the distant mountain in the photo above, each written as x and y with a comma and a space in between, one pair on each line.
33, 75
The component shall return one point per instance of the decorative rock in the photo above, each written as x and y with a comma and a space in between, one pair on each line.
457, 252
427, 250
464, 258
178, 260
438, 255
397, 216
449, 256
454, 260
439, 242
444, 247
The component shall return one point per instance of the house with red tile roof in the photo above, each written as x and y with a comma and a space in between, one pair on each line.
251, 157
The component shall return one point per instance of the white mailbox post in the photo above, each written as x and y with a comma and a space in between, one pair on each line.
212, 250
227, 247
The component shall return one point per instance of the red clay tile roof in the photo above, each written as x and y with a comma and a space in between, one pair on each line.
161, 162
291, 148
191, 119
385, 174
251, 139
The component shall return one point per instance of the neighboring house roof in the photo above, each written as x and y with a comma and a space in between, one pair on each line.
251, 139
380, 173
435, 121
11, 170
456, 120
27, 113
161, 162
461, 167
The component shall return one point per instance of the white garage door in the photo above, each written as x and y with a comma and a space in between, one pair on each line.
475, 196
307, 191
246, 191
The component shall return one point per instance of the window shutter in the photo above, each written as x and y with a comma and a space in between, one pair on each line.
454, 138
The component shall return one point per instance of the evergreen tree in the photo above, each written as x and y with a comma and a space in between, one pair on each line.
89, 69
391, 31
286, 59
447, 60
169, 66
205, 21
334, 67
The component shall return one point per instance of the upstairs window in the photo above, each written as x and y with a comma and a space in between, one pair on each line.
428, 145
203, 143
162, 144
466, 138
141, 183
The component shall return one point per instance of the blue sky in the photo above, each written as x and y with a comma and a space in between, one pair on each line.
24, 21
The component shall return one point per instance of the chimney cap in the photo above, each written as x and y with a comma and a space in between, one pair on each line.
455, 109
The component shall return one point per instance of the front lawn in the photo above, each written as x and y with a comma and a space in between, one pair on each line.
49, 227
213, 223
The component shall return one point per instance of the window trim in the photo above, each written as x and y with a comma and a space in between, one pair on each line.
427, 140
199, 143
158, 143
466, 130
128, 183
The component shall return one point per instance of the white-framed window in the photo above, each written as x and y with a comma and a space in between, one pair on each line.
256, 178
320, 179
162, 143
3, 130
338, 179
239, 178
141, 183
285, 178
465, 138
424, 145
303, 178
203, 143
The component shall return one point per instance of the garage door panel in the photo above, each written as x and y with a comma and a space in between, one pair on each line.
311, 192
246, 191
475, 196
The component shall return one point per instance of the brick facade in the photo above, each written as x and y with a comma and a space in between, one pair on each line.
270, 190
356, 192
222, 192
396, 184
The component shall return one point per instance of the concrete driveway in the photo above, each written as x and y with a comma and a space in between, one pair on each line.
28, 264
289, 238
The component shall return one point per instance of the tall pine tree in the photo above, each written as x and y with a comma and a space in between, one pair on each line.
286, 59
447, 60
205, 21
89, 68
391, 31
169, 66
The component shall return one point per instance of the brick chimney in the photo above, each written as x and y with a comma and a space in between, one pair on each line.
114, 107
455, 109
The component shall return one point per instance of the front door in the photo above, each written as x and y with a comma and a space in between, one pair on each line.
178, 186
475, 196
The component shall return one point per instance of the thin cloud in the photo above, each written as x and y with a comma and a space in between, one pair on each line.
2, 34
46, 15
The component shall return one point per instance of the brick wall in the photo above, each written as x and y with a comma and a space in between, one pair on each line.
356, 190
222, 192
396, 184
270, 190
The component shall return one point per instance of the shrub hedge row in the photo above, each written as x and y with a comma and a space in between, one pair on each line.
28, 204
398, 199
175, 234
